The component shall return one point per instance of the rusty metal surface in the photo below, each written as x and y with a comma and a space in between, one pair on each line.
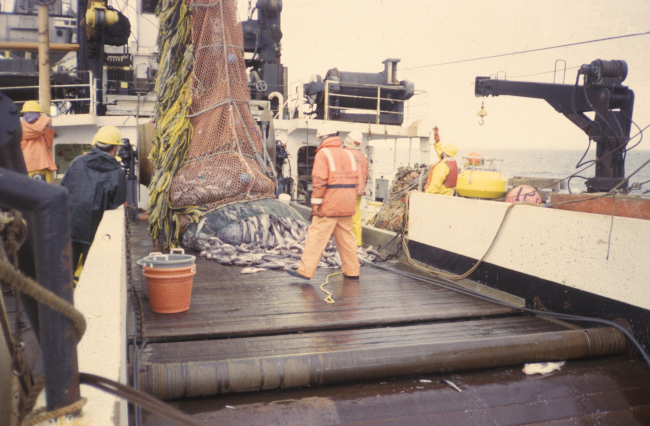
604, 391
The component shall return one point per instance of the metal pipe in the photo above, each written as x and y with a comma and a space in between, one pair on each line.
44, 58
268, 372
327, 100
29, 45
47, 205
378, 104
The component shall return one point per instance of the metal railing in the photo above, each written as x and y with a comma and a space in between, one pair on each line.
378, 98
483, 164
90, 97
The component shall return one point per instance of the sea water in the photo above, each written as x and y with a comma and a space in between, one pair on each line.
555, 164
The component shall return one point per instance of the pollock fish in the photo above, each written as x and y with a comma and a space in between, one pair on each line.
252, 270
272, 242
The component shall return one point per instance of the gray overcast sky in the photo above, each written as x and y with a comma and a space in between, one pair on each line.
357, 35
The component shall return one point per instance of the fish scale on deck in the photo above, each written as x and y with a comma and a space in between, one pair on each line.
271, 242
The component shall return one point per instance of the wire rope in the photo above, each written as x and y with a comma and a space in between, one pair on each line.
529, 51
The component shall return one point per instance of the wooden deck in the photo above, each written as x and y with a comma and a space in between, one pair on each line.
271, 331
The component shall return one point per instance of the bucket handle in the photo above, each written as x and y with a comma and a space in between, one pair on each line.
156, 254
177, 251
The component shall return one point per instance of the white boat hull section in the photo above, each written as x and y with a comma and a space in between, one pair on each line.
101, 296
569, 248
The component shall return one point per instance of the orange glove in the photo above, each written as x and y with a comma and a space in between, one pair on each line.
436, 136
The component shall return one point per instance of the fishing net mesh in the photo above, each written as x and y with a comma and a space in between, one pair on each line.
225, 161
391, 215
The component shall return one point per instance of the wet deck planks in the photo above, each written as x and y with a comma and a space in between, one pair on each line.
347, 340
226, 303
270, 330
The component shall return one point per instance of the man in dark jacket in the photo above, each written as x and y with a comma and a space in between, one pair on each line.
95, 183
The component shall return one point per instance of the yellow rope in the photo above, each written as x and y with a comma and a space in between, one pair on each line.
41, 416
446, 275
328, 299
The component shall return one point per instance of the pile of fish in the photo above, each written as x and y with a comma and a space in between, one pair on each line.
271, 242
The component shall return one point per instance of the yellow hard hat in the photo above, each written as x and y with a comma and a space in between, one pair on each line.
108, 135
31, 106
450, 149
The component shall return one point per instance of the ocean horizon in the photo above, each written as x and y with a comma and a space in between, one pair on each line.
540, 163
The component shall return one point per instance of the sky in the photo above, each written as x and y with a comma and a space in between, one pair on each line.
358, 35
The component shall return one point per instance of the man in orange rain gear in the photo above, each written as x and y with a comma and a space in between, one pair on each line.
353, 143
334, 179
443, 175
37, 142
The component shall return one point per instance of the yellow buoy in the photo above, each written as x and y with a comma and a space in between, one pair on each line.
481, 184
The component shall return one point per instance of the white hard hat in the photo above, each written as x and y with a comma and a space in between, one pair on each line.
326, 129
356, 136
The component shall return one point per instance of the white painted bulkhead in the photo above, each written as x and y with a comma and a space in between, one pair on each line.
569, 248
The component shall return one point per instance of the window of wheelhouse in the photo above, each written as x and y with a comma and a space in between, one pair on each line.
149, 6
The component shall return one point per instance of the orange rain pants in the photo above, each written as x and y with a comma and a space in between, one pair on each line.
318, 235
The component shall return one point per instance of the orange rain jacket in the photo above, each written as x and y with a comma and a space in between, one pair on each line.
335, 179
36, 144
362, 167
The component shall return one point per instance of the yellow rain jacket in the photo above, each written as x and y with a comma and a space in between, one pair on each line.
438, 174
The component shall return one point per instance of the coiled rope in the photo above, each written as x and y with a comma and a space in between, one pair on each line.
328, 299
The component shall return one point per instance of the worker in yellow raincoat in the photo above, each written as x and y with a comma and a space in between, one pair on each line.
443, 175
353, 143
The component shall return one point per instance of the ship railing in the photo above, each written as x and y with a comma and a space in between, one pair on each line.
483, 164
378, 111
296, 97
127, 88
61, 99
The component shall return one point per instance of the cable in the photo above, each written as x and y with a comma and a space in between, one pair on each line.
528, 51
539, 73
580, 163
640, 132
616, 135
611, 192
589, 164
593, 125
141, 399
145, 18
568, 183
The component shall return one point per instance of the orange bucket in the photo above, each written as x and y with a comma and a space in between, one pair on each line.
170, 289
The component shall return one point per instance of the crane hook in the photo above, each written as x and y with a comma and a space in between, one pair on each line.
482, 113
